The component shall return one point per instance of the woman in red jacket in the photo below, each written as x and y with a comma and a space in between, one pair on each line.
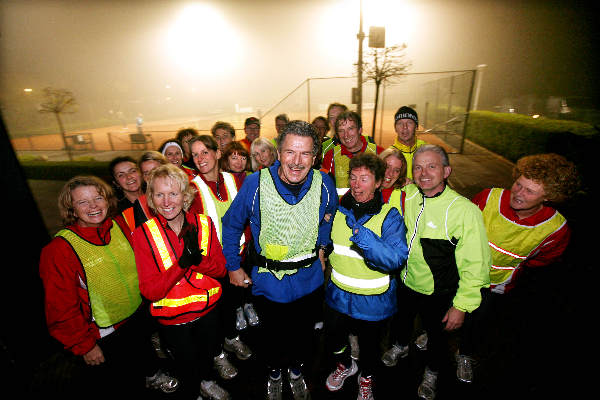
92, 299
179, 259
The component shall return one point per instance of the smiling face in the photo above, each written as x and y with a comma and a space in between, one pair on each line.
526, 197
296, 158
223, 137
128, 177
89, 206
429, 173
205, 159
237, 162
174, 155
392, 171
252, 132
363, 184
349, 135
264, 156
167, 198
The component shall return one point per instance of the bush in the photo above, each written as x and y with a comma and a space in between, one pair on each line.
514, 136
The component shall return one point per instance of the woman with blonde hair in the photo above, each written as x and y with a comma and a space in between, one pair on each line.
263, 153
179, 261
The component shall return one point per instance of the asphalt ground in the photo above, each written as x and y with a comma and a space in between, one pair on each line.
540, 346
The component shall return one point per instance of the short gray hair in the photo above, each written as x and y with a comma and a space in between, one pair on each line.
300, 128
436, 149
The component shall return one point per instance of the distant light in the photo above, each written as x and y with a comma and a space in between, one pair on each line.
512, 110
535, 116
167, 86
28, 90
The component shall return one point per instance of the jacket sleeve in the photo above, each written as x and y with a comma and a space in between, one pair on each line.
66, 300
550, 250
473, 257
388, 252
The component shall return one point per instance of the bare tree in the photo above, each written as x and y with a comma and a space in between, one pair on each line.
384, 65
59, 101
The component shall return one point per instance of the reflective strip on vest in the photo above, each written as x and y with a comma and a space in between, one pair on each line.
384, 281
349, 271
167, 258
209, 199
511, 243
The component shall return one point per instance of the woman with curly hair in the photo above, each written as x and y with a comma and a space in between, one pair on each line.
524, 231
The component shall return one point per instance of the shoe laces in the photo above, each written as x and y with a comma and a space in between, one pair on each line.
365, 388
340, 371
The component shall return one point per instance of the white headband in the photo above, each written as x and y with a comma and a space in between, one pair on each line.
169, 144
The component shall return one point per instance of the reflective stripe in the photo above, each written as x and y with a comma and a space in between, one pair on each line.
158, 241
342, 191
299, 258
361, 283
346, 251
501, 250
499, 267
205, 233
186, 300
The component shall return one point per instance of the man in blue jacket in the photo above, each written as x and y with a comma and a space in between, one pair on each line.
289, 207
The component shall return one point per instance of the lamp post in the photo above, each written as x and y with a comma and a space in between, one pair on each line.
360, 36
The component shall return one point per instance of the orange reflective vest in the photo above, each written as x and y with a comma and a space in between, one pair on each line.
129, 214
195, 292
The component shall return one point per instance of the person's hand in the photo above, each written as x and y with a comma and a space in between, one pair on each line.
239, 278
453, 319
191, 255
94, 357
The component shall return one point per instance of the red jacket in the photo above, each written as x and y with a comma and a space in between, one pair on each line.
154, 284
67, 303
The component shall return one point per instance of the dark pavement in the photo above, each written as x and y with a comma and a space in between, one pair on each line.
540, 346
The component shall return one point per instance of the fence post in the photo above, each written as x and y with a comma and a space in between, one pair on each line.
308, 99
110, 141
464, 133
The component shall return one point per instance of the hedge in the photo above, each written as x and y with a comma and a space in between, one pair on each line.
65, 170
514, 136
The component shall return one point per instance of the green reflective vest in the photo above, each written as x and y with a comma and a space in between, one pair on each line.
111, 276
349, 270
511, 243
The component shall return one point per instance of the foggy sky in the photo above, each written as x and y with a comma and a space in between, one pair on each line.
107, 49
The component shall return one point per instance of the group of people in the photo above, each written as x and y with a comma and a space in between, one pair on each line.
324, 231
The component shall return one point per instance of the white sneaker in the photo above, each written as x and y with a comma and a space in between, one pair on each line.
365, 388
390, 358
240, 320
428, 385
212, 391
225, 369
251, 314
239, 348
336, 379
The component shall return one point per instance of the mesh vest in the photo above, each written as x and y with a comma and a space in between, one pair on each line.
198, 292
349, 270
511, 243
111, 276
288, 232
342, 164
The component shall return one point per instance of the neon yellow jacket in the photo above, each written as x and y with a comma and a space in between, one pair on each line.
448, 247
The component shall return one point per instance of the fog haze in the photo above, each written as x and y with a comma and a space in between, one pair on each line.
111, 53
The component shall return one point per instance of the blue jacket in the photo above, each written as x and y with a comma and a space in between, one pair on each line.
387, 253
246, 207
